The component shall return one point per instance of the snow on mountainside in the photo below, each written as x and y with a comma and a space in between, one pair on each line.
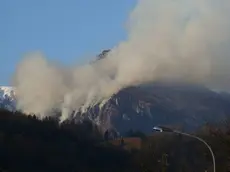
7, 98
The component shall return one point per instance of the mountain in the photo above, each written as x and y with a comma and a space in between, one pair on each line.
173, 104
7, 98
142, 107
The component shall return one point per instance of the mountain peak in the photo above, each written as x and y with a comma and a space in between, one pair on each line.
7, 98
103, 54
7, 91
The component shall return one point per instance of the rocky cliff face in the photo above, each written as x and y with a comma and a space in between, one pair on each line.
141, 108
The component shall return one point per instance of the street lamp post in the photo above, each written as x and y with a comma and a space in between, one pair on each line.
165, 129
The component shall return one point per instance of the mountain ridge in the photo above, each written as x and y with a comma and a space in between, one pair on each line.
141, 107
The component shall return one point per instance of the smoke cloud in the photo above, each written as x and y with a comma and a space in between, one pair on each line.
176, 40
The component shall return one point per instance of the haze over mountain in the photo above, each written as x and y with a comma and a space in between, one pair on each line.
171, 41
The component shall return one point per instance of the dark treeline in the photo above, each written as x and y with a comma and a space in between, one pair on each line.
29, 144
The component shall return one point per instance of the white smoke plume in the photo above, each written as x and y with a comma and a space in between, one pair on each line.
183, 40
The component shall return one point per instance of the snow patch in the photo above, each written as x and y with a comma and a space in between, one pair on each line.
7, 98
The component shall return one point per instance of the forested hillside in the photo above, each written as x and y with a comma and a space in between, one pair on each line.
29, 144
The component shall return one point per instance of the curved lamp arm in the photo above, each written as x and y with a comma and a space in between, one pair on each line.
200, 139
165, 129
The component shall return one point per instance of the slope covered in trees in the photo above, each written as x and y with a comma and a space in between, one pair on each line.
29, 144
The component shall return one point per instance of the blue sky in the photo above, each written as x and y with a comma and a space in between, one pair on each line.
64, 30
